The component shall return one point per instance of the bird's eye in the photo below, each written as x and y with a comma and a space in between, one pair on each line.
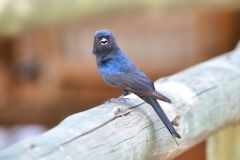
97, 39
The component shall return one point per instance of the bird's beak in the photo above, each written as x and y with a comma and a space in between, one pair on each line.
104, 41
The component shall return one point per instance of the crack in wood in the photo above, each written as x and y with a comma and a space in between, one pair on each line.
131, 136
204, 91
212, 87
97, 146
137, 134
89, 131
111, 151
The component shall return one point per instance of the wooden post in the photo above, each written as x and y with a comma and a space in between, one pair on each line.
225, 144
205, 99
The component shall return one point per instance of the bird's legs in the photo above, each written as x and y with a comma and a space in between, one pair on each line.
125, 93
120, 98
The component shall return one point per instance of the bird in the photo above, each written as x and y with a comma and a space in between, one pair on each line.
119, 71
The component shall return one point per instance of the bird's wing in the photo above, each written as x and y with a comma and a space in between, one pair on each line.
135, 81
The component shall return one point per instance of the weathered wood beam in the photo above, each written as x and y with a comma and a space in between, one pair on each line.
206, 98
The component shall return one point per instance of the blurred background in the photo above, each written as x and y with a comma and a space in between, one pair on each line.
48, 71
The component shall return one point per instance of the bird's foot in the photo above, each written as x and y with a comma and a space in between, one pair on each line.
117, 100
120, 99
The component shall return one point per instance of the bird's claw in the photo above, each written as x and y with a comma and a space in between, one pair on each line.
117, 100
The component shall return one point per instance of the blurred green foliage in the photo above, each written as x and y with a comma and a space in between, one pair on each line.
16, 16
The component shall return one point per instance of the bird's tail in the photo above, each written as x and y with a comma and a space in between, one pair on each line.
160, 96
153, 102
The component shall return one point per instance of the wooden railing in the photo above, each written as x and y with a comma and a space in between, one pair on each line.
205, 99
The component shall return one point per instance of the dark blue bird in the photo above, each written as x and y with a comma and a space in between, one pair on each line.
119, 71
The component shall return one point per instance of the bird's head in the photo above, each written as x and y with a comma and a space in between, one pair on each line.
104, 42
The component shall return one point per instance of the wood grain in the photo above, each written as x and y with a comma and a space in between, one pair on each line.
205, 100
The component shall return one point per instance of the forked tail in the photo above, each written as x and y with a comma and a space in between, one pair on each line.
158, 109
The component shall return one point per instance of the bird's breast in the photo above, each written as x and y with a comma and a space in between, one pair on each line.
111, 68
111, 71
